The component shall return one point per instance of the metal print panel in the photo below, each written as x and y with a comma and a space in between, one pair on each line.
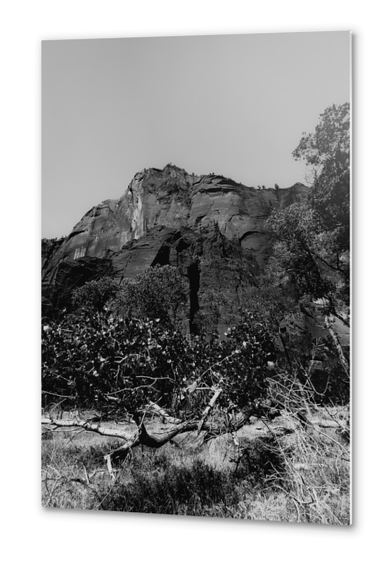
196, 276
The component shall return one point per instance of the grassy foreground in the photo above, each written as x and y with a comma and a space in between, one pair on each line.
301, 477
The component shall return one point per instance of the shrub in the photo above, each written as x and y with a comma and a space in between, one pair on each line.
94, 295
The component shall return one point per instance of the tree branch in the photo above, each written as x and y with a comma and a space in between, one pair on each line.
152, 407
208, 409
89, 426
338, 347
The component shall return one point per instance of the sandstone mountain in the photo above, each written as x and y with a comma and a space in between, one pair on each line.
210, 227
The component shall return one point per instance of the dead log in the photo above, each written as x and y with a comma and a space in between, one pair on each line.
88, 426
338, 347
156, 409
156, 439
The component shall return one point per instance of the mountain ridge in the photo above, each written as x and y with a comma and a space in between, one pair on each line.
173, 198
210, 227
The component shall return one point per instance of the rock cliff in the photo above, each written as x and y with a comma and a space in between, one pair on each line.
210, 227
175, 199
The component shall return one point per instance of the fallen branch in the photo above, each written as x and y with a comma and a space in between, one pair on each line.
89, 426
153, 407
58, 395
338, 347
208, 409
157, 439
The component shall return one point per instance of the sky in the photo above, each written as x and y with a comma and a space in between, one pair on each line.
235, 105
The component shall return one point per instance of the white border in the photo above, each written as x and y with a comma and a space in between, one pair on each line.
30, 532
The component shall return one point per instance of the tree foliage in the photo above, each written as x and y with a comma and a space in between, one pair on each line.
311, 239
307, 253
95, 295
104, 362
159, 293
329, 146
327, 151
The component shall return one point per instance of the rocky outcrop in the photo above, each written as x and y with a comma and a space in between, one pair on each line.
174, 199
68, 275
209, 227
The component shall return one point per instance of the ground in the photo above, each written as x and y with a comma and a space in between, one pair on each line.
298, 474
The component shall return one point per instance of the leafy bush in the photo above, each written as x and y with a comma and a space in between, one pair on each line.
95, 295
160, 293
97, 360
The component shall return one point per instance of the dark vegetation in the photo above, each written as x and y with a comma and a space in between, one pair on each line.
119, 351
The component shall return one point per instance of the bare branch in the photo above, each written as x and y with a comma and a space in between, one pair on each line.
89, 426
152, 407
208, 408
338, 347
59, 395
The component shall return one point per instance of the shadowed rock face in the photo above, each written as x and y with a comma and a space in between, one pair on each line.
210, 227
174, 199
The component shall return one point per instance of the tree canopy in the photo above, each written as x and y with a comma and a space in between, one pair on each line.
329, 145
327, 152
311, 239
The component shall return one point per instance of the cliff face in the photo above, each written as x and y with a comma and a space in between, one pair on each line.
209, 227
174, 199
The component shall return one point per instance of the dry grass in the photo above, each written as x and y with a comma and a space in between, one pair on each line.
302, 477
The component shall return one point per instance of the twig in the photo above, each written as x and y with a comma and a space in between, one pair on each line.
58, 395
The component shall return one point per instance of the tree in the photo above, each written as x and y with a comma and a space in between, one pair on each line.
158, 293
303, 249
329, 146
95, 295
327, 152
311, 239
130, 368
